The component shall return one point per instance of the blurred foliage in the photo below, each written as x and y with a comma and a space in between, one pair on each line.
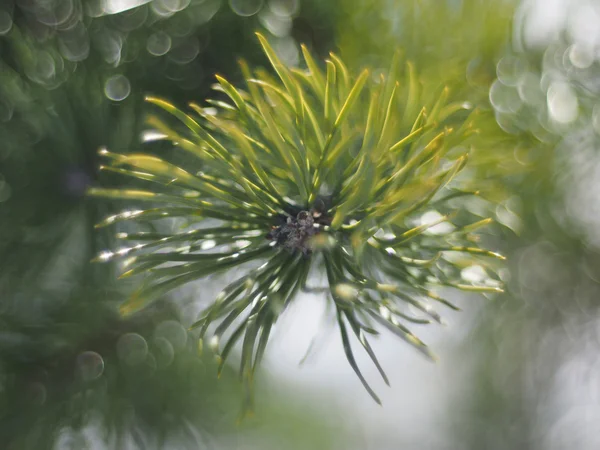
72, 77
534, 368
451, 42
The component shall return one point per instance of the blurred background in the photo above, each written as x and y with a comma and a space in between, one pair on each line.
519, 372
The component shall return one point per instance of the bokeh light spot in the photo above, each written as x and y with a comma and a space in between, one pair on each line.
504, 98
185, 52
117, 88
173, 332
279, 26
173, 5
158, 43
74, 43
55, 14
132, 348
581, 56
163, 351
284, 8
287, 49
5, 22
246, 8
204, 11
43, 69
90, 365
563, 105
510, 69
530, 91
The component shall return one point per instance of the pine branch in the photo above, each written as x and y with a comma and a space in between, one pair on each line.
309, 163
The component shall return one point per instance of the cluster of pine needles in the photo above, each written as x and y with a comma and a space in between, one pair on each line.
306, 173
